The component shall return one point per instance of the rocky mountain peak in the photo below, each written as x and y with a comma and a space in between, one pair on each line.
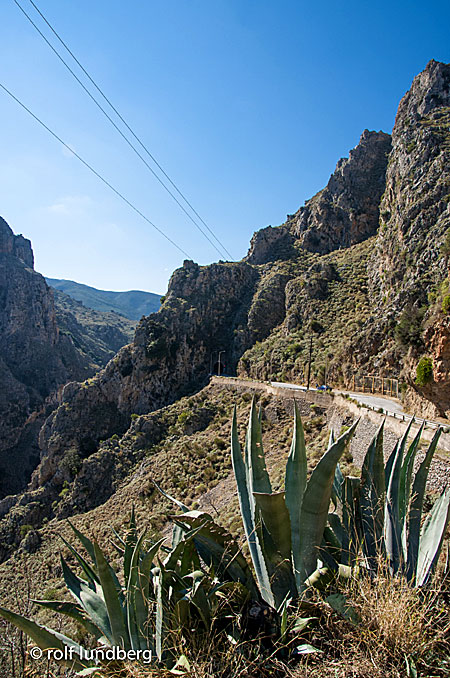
415, 212
429, 90
15, 245
346, 212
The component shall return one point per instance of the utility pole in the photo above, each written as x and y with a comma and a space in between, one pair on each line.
211, 364
218, 367
309, 363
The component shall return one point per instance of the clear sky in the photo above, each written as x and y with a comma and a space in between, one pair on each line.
247, 104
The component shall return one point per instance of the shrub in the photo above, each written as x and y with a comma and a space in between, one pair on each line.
24, 529
71, 462
446, 304
408, 331
424, 371
445, 247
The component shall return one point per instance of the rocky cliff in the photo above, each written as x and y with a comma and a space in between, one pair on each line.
97, 335
409, 267
346, 211
41, 348
34, 359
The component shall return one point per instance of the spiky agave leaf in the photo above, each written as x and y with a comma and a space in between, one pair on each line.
246, 504
414, 518
431, 537
372, 499
295, 485
115, 609
46, 638
91, 602
315, 505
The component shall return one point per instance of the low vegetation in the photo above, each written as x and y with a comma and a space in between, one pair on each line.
346, 576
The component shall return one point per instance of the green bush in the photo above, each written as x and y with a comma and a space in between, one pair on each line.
408, 331
24, 529
445, 247
446, 304
424, 371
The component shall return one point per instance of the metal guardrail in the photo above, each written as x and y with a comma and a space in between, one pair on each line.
401, 416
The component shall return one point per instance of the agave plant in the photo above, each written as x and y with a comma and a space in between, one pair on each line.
156, 597
284, 530
381, 513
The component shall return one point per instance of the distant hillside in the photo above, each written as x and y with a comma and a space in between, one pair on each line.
97, 335
133, 304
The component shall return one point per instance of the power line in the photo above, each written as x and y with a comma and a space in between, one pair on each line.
99, 176
128, 128
114, 124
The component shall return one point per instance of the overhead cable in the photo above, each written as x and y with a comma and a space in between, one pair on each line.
97, 174
117, 128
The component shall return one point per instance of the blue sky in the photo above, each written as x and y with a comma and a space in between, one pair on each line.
247, 105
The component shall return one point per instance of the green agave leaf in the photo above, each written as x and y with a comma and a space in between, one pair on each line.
337, 529
218, 549
180, 504
145, 571
372, 499
75, 612
282, 580
112, 601
196, 595
87, 569
130, 543
350, 522
136, 606
339, 603
336, 492
295, 485
431, 537
259, 477
93, 604
246, 503
406, 476
315, 505
392, 524
162, 623
389, 465
46, 638
87, 543
414, 518
276, 519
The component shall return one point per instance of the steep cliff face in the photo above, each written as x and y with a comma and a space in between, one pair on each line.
33, 358
41, 348
346, 212
204, 310
97, 335
415, 209
408, 269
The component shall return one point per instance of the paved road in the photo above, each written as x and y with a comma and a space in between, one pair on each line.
388, 404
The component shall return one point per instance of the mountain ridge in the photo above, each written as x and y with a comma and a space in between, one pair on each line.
133, 304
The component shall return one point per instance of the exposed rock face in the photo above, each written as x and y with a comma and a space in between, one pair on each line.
97, 335
170, 356
270, 244
346, 211
33, 359
36, 358
415, 210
